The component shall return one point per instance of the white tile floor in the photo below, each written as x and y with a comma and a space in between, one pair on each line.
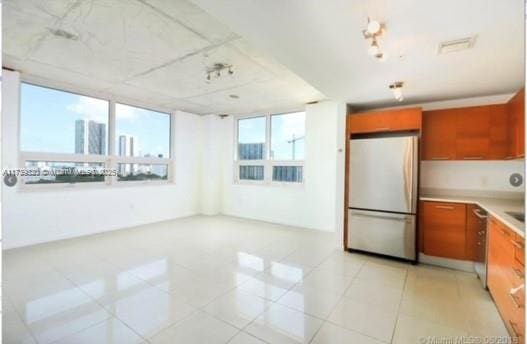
228, 280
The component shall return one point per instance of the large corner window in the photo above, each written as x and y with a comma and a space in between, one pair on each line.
65, 139
270, 149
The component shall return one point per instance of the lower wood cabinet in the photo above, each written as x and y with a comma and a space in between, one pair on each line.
444, 229
473, 243
450, 230
506, 276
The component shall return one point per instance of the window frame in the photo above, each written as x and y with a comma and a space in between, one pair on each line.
109, 160
266, 162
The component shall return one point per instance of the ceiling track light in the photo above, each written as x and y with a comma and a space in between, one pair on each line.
216, 70
373, 30
397, 89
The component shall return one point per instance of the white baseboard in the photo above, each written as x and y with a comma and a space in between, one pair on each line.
461, 265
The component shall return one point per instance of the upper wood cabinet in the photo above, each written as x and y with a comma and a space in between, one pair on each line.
499, 132
516, 112
472, 133
490, 132
439, 138
385, 121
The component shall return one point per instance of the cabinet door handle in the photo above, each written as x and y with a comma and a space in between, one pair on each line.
518, 273
472, 158
445, 207
513, 327
440, 158
515, 300
478, 214
382, 129
517, 244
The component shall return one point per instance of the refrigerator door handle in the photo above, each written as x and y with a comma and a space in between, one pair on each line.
380, 215
409, 173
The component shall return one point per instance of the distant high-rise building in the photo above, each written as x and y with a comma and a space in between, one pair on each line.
251, 151
90, 137
128, 145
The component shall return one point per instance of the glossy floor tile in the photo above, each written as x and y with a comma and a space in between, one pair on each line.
280, 324
228, 280
198, 328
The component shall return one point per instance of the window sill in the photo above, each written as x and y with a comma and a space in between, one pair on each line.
94, 186
271, 184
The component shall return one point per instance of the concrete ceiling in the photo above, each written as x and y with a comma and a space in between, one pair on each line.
322, 42
153, 51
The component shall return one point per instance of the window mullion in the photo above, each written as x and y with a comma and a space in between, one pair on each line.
267, 167
112, 134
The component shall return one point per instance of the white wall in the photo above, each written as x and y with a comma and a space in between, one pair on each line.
318, 203
211, 172
31, 217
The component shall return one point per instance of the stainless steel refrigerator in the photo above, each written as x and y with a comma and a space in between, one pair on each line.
383, 195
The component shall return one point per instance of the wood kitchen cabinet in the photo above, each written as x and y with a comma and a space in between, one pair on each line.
506, 276
472, 133
444, 229
439, 138
499, 132
472, 237
516, 112
385, 121
490, 132
472, 130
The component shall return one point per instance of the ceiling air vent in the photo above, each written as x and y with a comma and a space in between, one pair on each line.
456, 45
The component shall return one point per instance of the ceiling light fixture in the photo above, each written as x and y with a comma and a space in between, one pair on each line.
397, 89
217, 68
373, 30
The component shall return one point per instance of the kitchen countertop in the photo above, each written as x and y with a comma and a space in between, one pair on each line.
494, 206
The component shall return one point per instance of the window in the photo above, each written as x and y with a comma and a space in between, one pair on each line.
287, 146
287, 136
251, 148
60, 122
142, 143
141, 132
65, 139
251, 138
271, 148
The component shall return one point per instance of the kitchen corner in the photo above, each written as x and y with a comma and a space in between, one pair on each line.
502, 205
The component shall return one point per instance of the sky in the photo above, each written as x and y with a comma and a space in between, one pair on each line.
48, 121
283, 128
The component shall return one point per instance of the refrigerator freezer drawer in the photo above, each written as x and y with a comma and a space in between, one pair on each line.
383, 233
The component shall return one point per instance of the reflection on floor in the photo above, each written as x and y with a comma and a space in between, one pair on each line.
228, 280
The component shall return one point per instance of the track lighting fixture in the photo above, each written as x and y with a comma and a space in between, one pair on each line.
217, 68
